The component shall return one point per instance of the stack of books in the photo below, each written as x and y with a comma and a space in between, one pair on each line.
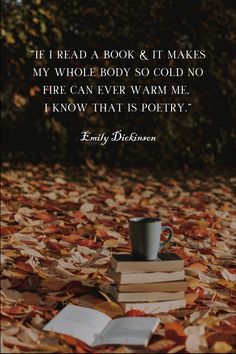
149, 286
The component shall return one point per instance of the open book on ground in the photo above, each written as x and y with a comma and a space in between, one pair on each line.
95, 328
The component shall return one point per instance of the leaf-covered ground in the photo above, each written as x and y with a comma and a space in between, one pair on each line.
60, 226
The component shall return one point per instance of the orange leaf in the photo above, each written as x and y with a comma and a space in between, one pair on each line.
198, 266
175, 326
71, 238
25, 266
200, 232
89, 243
135, 313
45, 217
68, 339
78, 215
175, 332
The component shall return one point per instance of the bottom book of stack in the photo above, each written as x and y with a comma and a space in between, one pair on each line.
153, 307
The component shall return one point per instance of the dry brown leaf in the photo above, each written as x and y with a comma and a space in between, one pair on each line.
161, 345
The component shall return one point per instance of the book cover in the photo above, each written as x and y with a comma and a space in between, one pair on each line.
166, 262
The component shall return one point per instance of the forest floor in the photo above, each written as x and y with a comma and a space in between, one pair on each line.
60, 226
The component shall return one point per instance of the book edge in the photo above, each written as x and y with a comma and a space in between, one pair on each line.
166, 283
125, 268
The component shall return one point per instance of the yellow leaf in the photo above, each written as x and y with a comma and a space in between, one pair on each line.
10, 39
194, 283
3, 32
41, 273
11, 253
209, 321
111, 243
19, 100
221, 347
18, 274
12, 295
64, 252
161, 345
110, 308
203, 223
227, 284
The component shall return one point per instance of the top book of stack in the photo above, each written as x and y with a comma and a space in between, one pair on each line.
166, 262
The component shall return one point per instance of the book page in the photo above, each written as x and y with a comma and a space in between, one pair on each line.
128, 331
79, 322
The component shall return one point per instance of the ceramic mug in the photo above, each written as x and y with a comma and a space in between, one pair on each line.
145, 234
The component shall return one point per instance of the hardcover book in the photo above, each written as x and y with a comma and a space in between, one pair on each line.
166, 262
153, 287
144, 296
147, 277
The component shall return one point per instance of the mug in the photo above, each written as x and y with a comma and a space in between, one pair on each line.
145, 234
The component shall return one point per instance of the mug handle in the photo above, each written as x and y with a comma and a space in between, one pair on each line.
163, 228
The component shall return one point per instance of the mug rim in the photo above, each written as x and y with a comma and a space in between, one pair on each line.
144, 219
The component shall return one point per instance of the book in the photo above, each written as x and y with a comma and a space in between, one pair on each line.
166, 262
149, 277
151, 287
96, 328
144, 296
153, 307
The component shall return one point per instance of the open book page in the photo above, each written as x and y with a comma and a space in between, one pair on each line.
79, 322
128, 331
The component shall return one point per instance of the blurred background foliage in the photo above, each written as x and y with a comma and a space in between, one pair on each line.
205, 136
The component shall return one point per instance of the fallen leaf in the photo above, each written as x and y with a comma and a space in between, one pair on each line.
161, 345
221, 347
198, 266
12, 295
86, 208
135, 313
